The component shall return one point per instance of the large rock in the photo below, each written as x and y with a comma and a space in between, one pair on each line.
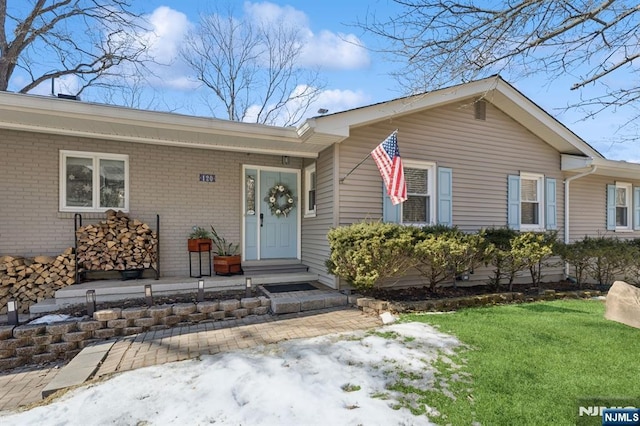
623, 304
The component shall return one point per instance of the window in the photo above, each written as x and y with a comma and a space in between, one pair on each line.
419, 206
623, 206
310, 190
531, 201
91, 181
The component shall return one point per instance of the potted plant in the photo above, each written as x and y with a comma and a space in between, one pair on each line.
226, 260
199, 239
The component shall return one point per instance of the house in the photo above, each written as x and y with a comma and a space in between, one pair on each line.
476, 155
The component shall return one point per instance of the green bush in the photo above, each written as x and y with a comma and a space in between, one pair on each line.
443, 253
509, 252
532, 250
498, 255
367, 252
578, 256
610, 258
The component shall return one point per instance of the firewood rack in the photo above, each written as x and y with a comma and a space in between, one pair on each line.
77, 224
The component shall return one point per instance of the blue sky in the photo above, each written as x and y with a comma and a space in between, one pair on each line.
354, 75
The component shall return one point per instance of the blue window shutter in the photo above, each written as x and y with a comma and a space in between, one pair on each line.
611, 207
551, 204
636, 208
390, 213
513, 202
445, 196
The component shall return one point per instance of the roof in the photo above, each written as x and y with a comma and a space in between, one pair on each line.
46, 114
492, 89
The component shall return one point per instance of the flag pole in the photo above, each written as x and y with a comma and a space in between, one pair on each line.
360, 163
357, 165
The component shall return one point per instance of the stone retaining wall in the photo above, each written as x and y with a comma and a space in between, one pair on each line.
41, 343
373, 306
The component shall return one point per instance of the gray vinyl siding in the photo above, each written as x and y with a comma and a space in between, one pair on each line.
163, 180
315, 247
482, 153
588, 208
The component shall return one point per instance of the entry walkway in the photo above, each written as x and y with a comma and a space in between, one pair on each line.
23, 387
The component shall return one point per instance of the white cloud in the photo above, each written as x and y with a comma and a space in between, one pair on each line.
335, 51
332, 100
165, 38
168, 28
272, 13
326, 49
340, 100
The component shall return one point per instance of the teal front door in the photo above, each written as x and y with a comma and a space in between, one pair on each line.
270, 234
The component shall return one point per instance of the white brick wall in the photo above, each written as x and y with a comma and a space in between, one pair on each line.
163, 180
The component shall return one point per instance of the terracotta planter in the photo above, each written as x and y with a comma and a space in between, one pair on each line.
199, 244
227, 265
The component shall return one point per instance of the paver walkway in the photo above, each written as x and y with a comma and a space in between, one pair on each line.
22, 387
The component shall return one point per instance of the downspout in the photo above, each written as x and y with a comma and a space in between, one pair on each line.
566, 208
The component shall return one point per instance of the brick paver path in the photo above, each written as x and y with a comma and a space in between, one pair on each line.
22, 387
181, 343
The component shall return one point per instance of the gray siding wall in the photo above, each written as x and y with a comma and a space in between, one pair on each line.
481, 153
163, 180
588, 208
315, 247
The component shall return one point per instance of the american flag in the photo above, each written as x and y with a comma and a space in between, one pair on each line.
387, 158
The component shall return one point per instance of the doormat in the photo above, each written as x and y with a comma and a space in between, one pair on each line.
282, 288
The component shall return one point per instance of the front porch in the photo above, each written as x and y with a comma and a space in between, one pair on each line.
261, 274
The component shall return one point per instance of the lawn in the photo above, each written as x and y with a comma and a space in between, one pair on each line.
530, 363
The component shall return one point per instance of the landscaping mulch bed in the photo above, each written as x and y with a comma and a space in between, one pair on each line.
414, 294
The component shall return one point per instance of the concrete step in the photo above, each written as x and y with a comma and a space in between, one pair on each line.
80, 368
115, 290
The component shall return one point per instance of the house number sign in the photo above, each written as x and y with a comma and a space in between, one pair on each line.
205, 177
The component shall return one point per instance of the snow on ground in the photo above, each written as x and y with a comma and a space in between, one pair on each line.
329, 380
53, 318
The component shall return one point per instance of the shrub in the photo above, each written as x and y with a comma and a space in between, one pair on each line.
367, 252
578, 256
444, 253
531, 250
498, 254
610, 258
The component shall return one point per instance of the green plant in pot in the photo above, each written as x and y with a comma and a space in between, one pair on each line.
226, 260
199, 239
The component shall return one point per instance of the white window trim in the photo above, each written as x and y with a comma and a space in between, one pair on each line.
541, 202
96, 157
629, 188
431, 190
307, 187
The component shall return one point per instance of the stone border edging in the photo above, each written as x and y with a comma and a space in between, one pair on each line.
43, 343
374, 306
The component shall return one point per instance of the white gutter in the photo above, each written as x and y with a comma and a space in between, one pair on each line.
567, 181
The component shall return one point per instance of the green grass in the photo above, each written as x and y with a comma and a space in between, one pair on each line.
530, 363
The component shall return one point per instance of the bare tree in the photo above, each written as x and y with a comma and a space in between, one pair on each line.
443, 41
251, 68
88, 39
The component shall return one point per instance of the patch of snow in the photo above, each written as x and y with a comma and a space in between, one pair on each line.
330, 380
53, 318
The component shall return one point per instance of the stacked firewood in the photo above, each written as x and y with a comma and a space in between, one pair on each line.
30, 280
117, 244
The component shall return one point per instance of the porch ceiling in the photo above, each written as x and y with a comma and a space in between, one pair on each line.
74, 118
